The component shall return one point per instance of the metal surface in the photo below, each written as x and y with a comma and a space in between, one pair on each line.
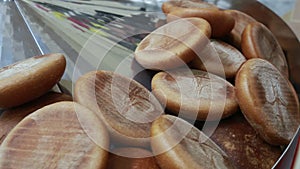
16, 42
42, 48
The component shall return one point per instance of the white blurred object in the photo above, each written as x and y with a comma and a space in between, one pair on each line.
280, 7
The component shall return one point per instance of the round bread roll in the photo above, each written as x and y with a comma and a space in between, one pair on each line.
29, 79
177, 144
174, 44
243, 145
259, 42
61, 135
126, 107
268, 101
241, 21
195, 94
221, 23
230, 57
11, 117
131, 158
174, 5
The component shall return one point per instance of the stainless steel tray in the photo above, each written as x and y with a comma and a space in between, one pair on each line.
25, 33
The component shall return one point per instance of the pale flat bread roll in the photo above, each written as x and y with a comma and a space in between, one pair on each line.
179, 145
11, 117
61, 135
174, 44
195, 94
29, 79
259, 42
268, 101
126, 107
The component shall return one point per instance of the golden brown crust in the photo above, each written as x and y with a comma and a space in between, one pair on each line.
241, 21
221, 23
11, 117
131, 158
192, 93
61, 135
177, 144
259, 42
126, 107
231, 59
30, 79
248, 48
173, 44
268, 101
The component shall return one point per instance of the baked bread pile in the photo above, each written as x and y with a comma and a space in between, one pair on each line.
220, 98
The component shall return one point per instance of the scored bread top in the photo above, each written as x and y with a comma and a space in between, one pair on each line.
61, 135
177, 144
268, 101
174, 44
195, 94
125, 106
